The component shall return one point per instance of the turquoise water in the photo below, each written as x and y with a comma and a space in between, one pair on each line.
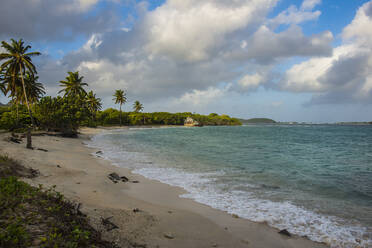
312, 180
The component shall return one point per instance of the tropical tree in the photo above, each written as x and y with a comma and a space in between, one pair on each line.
120, 98
137, 106
34, 89
17, 63
3, 84
94, 104
73, 86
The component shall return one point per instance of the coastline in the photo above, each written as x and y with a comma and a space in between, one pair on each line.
163, 220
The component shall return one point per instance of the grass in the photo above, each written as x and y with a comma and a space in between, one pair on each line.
37, 217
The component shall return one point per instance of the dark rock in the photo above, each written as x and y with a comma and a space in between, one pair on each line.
285, 232
114, 177
136, 210
124, 179
58, 166
135, 181
99, 152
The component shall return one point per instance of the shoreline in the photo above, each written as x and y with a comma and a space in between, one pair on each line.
164, 219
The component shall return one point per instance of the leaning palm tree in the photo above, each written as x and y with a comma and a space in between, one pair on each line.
73, 86
94, 104
120, 98
34, 89
17, 63
137, 106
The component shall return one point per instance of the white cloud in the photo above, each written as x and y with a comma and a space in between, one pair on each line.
310, 4
251, 81
202, 97
77, 5
190, 29
293, 15
346, 75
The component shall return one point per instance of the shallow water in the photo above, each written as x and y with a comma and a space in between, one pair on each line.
313, 180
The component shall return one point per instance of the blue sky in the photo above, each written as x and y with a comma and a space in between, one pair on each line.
288, 60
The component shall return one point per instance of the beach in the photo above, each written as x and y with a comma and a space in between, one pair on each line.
147, 212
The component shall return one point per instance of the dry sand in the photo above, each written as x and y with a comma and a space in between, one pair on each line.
164, 219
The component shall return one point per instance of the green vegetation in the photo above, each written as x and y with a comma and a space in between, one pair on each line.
29, 108
38, 217
257, 121
111, 117
17, 64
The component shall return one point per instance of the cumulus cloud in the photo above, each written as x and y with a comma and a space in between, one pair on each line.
309, 4
191, 29
266, 46
186, 49
346, 75
293, 15
53, 19
251, 81
202, 97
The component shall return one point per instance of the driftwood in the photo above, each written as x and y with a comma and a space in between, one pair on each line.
108, 224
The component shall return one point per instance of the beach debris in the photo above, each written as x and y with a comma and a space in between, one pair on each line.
168, 236
13, 139
235, 216
135, 181
285, 232
77, 209
136, 245
169, 212
136, 210
41, 149
58, 166
108, 224
245, 241
99, 152
77, 182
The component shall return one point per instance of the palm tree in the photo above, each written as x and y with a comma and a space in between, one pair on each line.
137, 106
3, 84
120, 97
17, 63
34, 89
73, 86
94, 103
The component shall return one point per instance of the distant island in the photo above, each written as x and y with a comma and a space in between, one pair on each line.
257, 121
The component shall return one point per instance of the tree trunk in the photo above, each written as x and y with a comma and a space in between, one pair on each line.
28, 106
29, 141
120, 114
17, 116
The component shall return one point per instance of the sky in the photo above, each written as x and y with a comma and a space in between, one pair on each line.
305, 61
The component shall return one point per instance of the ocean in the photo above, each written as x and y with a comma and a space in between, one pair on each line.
313, 180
